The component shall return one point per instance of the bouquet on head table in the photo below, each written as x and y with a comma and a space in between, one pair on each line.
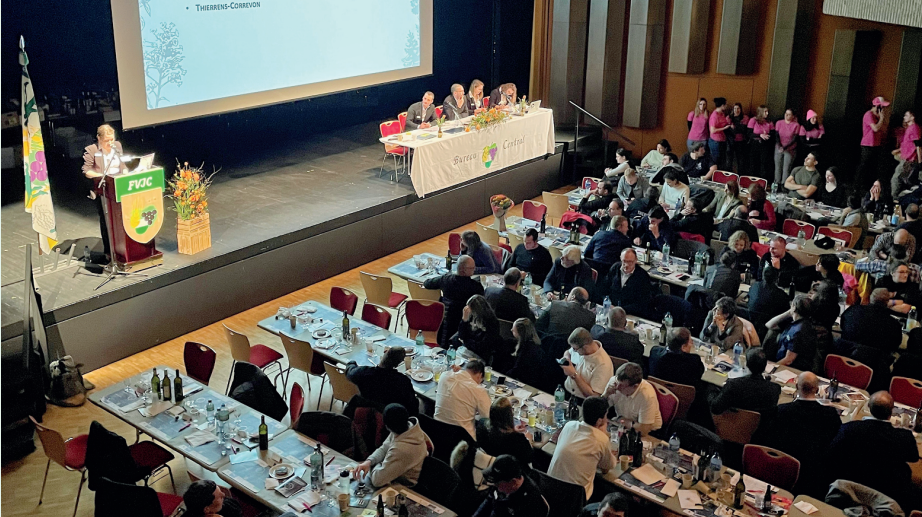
501, 203
188, 189
488, 118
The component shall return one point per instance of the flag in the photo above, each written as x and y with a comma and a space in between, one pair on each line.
38, 188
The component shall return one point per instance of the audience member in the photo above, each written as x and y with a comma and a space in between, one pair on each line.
583, 447
786, 131
616, 340
874, 453
903, 294
738, 222
761, 210
872, 325
654, 158
876, 201
746, 258
692, 220
723, 278
457, 289
655, 231
766, 299
883, 245
854, 216
568, 271
597, 199
400, 457
752, 392
832, 194
461, 397
383, 384
622, 157
674, 192
697, 163
726, 202
718, 124
562, 317
484, 260
499, 434
913, 225
725, 328
528, 355
909, 364
803, 182
533, 258
670, 163
632, 186
761, 145
825, 306
634, 399
204, 498
587, 366
606, 245
614, 504
797, 342
676, 362
778, 257
629, 286
643, 205
479, 330
513, 492
507, 302
604, 218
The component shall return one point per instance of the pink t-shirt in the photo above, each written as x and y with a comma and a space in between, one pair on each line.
870, 138
718, 119
699, 129
816, 132
908, 145
760, 128
741, 135
786, 133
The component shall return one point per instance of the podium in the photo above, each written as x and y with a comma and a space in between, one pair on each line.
134, 215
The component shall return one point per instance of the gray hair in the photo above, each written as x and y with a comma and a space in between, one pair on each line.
630, 372
573, 253
455, 87
580, 337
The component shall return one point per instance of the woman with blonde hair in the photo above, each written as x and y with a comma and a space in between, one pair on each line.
726, 201
500, 434
698, 124
746, 257
475, 97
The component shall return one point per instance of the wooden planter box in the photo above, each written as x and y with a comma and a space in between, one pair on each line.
194, 235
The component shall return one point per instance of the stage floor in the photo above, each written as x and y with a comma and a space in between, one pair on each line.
271, 194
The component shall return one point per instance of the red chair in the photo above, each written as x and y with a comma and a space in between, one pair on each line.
792, 226
848, 371
906, 391
771, 466
534, 211
747, 181
199, 360
595, 275
498, 253
454, 244
836, 233
392, 127
343, 299
438, 112
485, 102
425, 316
70, 454
152, 458
260, 355
296, 404
691, 237
668, 404
759, 248
505, 246
376, 315
114, 498
402, 118
590, 183
724, 176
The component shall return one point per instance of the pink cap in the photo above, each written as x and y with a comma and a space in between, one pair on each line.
810, 114
880, 101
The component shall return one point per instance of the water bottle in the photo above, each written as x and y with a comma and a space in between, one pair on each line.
615, 434
316, 459
606, 305
451, 354
737, 352
674, 445
894, 218
86, 254
774, 191
420, 340
912, 320
560, 413
222, 417
801, 239
666, 251
716, 466
209, 412
559, 394
668, 321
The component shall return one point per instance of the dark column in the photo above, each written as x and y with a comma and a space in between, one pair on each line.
644, 63
739, 26
689, 37
908, 76
604, 73
790, 61
568, 58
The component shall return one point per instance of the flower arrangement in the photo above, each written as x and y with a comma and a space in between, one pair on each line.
501, 202
188, 190
488, 118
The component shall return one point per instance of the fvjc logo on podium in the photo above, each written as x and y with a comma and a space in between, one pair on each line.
141, 196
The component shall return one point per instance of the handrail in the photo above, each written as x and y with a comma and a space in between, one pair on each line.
597, 119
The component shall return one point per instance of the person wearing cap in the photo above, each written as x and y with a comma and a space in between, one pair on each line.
873, 131
811, 134
614, 504
401, 455
513, 493
583, 447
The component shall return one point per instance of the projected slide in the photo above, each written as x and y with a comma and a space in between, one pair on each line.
196, 52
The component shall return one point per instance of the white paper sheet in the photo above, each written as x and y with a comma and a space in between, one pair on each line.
647, 474
671, 488
689, 499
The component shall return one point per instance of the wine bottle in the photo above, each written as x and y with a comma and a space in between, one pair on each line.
345, 325
833, 392
791, 291
917, 425
543, 224
739, 493
177, 388
402, 511
448, 261
380, 506
155, 385
167, 387
263, 434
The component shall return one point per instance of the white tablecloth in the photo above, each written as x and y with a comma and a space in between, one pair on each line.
439, 163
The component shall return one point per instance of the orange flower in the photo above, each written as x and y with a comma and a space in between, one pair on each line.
181, 185
195, 176
185, 175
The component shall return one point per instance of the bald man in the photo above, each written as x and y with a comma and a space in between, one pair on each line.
804, 429
874, 453
778, 257
883, 245
562, 317
457, 289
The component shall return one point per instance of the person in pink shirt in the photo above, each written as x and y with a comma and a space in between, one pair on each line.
718, 123
811, 135
737, 157
787, 130
872, 135
698, 124
761, 146
909, 153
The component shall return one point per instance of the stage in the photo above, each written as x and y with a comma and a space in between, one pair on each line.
280, 220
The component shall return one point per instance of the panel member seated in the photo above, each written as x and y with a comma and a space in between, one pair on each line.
421, 115
455, 106
475, 97
504, 96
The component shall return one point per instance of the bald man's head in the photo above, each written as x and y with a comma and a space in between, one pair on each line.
807, 385
901, 237
466, 265
579, 295
881, 405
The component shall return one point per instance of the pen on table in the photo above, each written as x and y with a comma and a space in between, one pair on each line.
331, 461
185, 427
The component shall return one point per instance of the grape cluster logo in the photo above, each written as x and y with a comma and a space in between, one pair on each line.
489, 154
143, 219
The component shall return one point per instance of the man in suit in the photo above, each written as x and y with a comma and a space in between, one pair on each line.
676, 362
723, 277
421, 115
616, 340
102, 158
507, 302
562, 317
778, 257
606, 245
874, 453
872, 325
457, 289
752, 392
739, 221
630, 285
804, 429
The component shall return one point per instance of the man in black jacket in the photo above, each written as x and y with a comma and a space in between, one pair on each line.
778, 257
872, 325
752, 392
562, 317
457, 289
513, 492
606, 245
617, 341
597, 199
569, 271
630, 286
874, 453
804, 429
766, 300
693, 220
723, 277
677, 363
383, 384
507, 302
643, 205
739, 221
532, 257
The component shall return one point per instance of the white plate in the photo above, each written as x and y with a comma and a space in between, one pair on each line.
421, 375
502, 391
321, 334
282, 471
410, 350
310, 309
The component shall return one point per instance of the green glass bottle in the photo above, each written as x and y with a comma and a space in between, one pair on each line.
263, 434
177, 388
155, 385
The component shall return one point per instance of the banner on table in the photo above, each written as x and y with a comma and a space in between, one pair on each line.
38, 188
439, 164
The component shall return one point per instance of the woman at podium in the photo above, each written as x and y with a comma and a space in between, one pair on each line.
103, 157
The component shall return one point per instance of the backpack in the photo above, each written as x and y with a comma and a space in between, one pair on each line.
66, 388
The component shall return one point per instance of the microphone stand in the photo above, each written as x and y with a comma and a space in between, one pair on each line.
112, 269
